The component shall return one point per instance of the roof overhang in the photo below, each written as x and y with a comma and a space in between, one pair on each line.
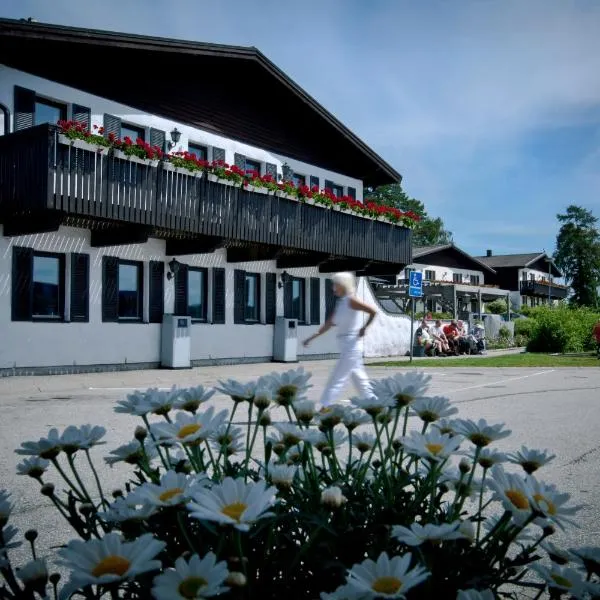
232, 91
450, 256
543, 260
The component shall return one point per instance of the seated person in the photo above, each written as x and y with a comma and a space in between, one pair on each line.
422, 338
439, 337
479, 338
596, 334
463, 335
453, 336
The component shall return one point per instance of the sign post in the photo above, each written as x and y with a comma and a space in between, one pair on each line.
415, 290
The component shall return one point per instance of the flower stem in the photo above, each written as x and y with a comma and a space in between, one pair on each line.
80, 494
481, 503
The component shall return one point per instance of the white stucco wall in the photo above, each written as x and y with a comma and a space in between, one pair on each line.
38, 344
446, 273
538, 275
99, 106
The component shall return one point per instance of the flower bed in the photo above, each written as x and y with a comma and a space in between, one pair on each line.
249, 179
341, 504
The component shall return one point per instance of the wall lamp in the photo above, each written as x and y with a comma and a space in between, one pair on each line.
173, 269
285, 277
175, 137
287, 172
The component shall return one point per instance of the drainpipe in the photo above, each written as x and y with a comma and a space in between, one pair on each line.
6, 114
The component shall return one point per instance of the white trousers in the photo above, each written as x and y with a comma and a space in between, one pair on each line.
350, 364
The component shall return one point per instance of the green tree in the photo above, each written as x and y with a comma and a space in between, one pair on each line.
578, 254
428, 231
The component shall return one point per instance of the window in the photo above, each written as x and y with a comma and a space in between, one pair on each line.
337, 190
298, 180
474, 279
130, 290
429, 275
200, 152
197, 281
48, 111
457, 277
252, 165
252, 297
46, 286
132, 131
295, 299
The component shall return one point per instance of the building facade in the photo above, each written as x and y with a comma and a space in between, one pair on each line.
101, 234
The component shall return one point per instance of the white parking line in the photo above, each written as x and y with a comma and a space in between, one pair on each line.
125, 389
480, 385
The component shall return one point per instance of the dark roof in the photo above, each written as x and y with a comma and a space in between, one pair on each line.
519, 261
233, 91
422, 251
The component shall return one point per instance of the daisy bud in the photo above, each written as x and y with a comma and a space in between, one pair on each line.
47, 489
464, 466
262, 400
86, 509
265, 419
467, 529
332, 497
117, 494
236, 579
397, 444
548, 530
279, 449
31, 535
54, 578
140, 433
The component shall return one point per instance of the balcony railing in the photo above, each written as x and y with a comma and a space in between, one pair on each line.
543, 288
40, 173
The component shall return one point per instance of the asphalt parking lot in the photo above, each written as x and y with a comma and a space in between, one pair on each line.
558, 409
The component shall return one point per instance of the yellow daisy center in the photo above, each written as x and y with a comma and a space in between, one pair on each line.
235, 510
166, 496
435, 449
546, 505
190, 587
111, 565
386, 585
479, 439
403, 399
562, 581
518, 499
189, 429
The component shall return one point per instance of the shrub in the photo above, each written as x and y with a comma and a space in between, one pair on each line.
497, 307
524, 327
504, 333
341, 504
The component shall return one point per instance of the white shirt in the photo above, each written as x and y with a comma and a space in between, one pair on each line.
348, 320
436, 331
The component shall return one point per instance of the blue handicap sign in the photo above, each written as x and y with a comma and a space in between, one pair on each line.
415, 284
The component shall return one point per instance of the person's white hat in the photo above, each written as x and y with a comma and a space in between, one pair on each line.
479, 326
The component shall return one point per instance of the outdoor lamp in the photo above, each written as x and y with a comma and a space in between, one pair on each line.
175, 137
173, 268
285, 277
288, 172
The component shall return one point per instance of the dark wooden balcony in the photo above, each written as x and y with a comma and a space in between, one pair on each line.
543, 289
45, 182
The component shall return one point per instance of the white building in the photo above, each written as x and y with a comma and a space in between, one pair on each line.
99, 240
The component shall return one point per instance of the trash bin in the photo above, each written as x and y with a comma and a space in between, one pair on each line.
285, 340
176, 342
418, 351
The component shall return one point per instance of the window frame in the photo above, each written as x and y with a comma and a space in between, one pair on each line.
204, 148
302, 317
62, 106
474, 279
257, 297
427, 273
140, 291
204, 272
298, 176
253, 165
61, 288
457, 278
133, 127
337, 186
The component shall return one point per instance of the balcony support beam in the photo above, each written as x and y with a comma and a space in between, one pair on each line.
120, 236
252, 253
201, 245
291, 260
47, 222
343, 264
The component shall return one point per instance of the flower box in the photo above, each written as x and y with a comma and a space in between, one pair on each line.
135, 159
257, 189
170, 167
80, 144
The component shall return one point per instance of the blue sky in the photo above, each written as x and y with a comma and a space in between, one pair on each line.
489, 108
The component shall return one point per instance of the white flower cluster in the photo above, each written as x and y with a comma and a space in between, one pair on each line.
295, 507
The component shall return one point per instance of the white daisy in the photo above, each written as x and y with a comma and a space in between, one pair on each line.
363, 441
589, 557
561, 578
402, 388
131, 453
515, 493
551, 503
34, 574
188, 428
233, 502
332, 497
330, 416
446, 426
174, 489
475, 595
556, 554
354, 418
290, 386
418, 534
282, 475
374, 405
480, 433
386, 578
305, 410
238, 392
48, 447
290, 433
530, 460
192, 580
127, 509
430, 409
110, 559
81, 438
5, 507
34, 466
190, 399
488, 457
432, 445
135, 404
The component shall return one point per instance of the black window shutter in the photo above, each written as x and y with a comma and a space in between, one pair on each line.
181, 290
156, 306
287, 299
158, 138
22, 273
82, 114
218, 294
271, 169
314, 181
239, 289
315, 301
329, 298
110, 288
329, 185
80, 287
352, 192
270, 298
112, 125
239, 161
218, 153
24, 107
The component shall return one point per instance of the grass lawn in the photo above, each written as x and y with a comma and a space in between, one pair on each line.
508, 360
